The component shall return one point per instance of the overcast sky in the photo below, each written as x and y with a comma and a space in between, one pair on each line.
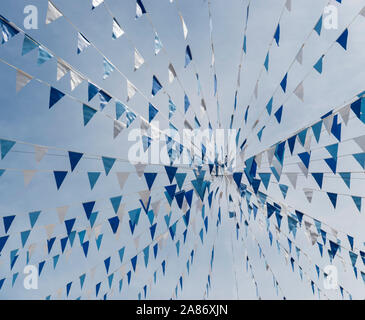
25, 117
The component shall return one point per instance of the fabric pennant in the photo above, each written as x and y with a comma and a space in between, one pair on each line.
29, 45
172, 73
138, 60
82, 43
185, 29
156, 86
117, 30
52, 13
28, 176
55, 96
22, 79
140, 9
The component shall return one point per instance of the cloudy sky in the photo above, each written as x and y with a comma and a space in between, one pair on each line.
25, 116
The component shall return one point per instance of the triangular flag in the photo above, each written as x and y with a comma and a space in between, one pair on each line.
277, 34
299, 91
150, 178
158, 44
156, 86
117, 128
333, 198
33, 217
55, 96
185, 29
28, 176
152, 111
342, 39
122, 178
52, 13
140, 9
131, 90
117, 30
6, 146
74, 157
188, 56
28, 45
319, 64
61, 212
82, 43
93, 178
88, 113
62, 69
318, 26
138, 60
22, 79
108, 164
284, 82
172, 73
318, 176
59, 177
43, 56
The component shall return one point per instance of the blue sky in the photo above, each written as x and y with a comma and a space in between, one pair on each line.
26, 117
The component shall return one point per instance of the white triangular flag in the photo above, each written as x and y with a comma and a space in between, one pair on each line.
122, 178
145, 196
185, 29
61, 212
28, 176
140, 169
256, 90
117, 30
52, 13
328, 123
288, 5
362, 12
138, 60
49, 230
22, 79
131, 90
361, 142
299, 91
299, 56
303, 168
96, 3
76, 80
39, 153
293, 177
156, 207
172, 73
82, 43
62, 69
309, 194
118, 127
270, 154
345, 114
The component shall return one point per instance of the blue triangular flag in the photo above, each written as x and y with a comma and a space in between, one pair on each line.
55, 96
108, 164
277, 34
93, 178
156, 86
152, 111
59, 177
88, 113
342, 39
6, 146
188, 56
150, 178
74, 157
